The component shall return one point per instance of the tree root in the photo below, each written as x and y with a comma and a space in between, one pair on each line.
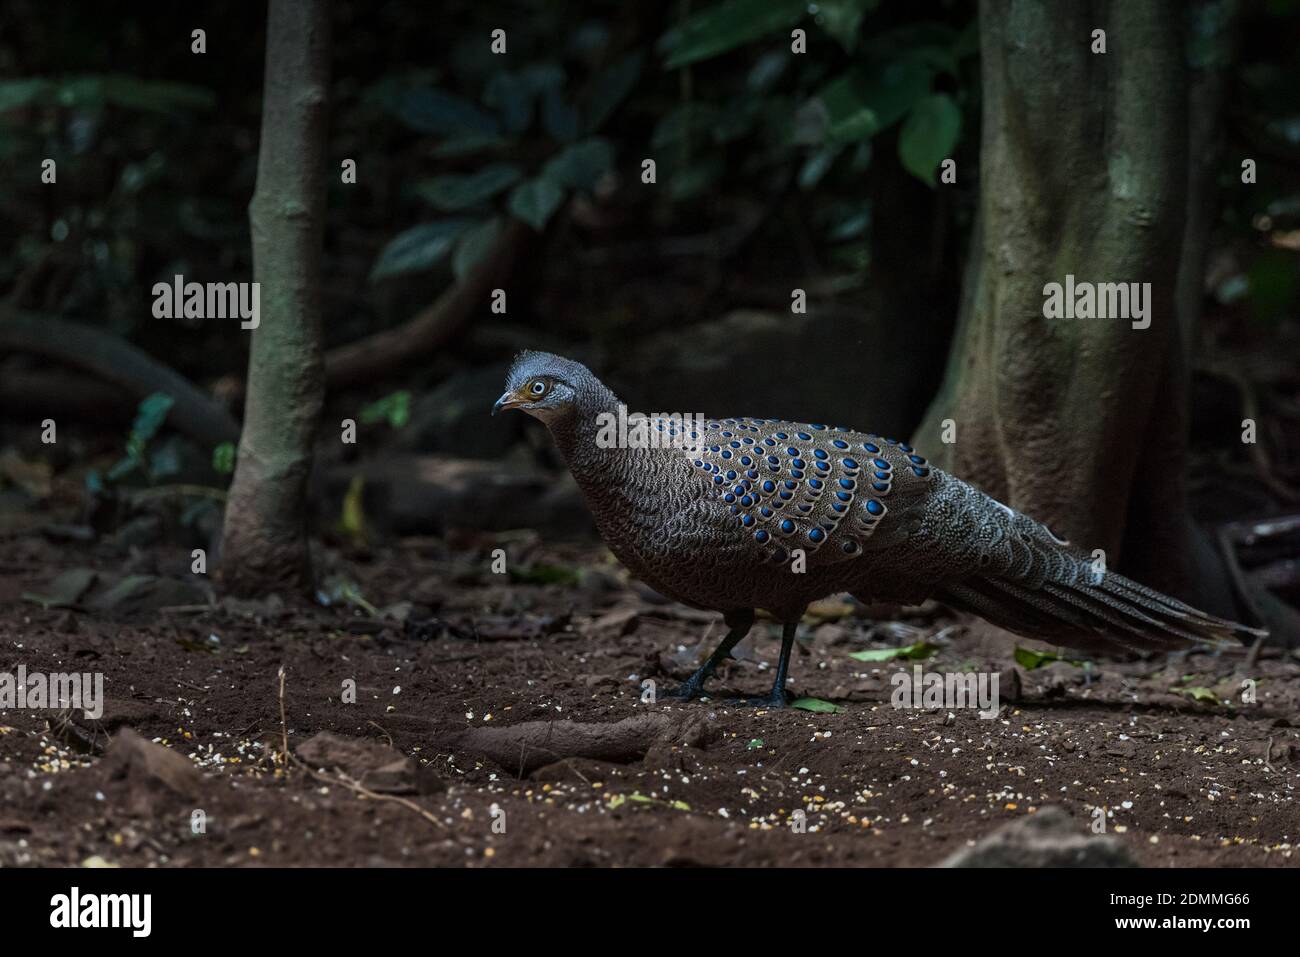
526, 747
432, 327
118, 362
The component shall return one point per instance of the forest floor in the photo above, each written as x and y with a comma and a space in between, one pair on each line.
1189, 773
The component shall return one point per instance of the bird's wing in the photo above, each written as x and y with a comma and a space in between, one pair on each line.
827, 491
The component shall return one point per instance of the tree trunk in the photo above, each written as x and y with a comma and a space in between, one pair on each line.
1081, 423
265, 538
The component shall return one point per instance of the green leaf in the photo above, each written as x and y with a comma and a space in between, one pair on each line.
579, 166
223, 458
1029, 659
841, 19
754, 744
94, 91
696, 178
817, 705
1199, 693
19, 93
66, 590
849, 221
929, 135
861, 102
610, 87
817, 165
560, 118
165, 459
453, 191
156, 96
914, 652
149, 417
474, 245
536, 200
511, 96
434, 111
727, 25
395, 409
122, 468
419, 247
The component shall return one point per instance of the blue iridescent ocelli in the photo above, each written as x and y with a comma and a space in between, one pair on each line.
874, 507
816, 534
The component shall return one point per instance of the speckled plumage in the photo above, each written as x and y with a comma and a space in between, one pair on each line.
774, 515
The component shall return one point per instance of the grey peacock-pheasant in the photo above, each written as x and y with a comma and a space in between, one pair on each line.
724, 525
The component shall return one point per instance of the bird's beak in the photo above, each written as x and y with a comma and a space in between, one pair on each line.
507, 401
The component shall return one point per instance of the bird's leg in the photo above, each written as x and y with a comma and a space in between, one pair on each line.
738, 625
778, 698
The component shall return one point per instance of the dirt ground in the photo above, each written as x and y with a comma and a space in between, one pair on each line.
1188, 772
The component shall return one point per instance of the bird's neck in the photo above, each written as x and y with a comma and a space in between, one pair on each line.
606, 472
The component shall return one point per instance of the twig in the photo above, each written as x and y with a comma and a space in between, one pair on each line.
354, 786
284, 724
360, 789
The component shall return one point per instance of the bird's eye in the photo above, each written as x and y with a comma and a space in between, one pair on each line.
538, 387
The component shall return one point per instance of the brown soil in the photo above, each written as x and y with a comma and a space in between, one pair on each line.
1185, 781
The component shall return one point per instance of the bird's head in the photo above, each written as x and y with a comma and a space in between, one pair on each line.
547, 387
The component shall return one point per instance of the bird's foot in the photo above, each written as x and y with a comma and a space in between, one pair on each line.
772, 701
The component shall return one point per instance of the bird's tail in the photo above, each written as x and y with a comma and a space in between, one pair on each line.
1113, 613
1051, 592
